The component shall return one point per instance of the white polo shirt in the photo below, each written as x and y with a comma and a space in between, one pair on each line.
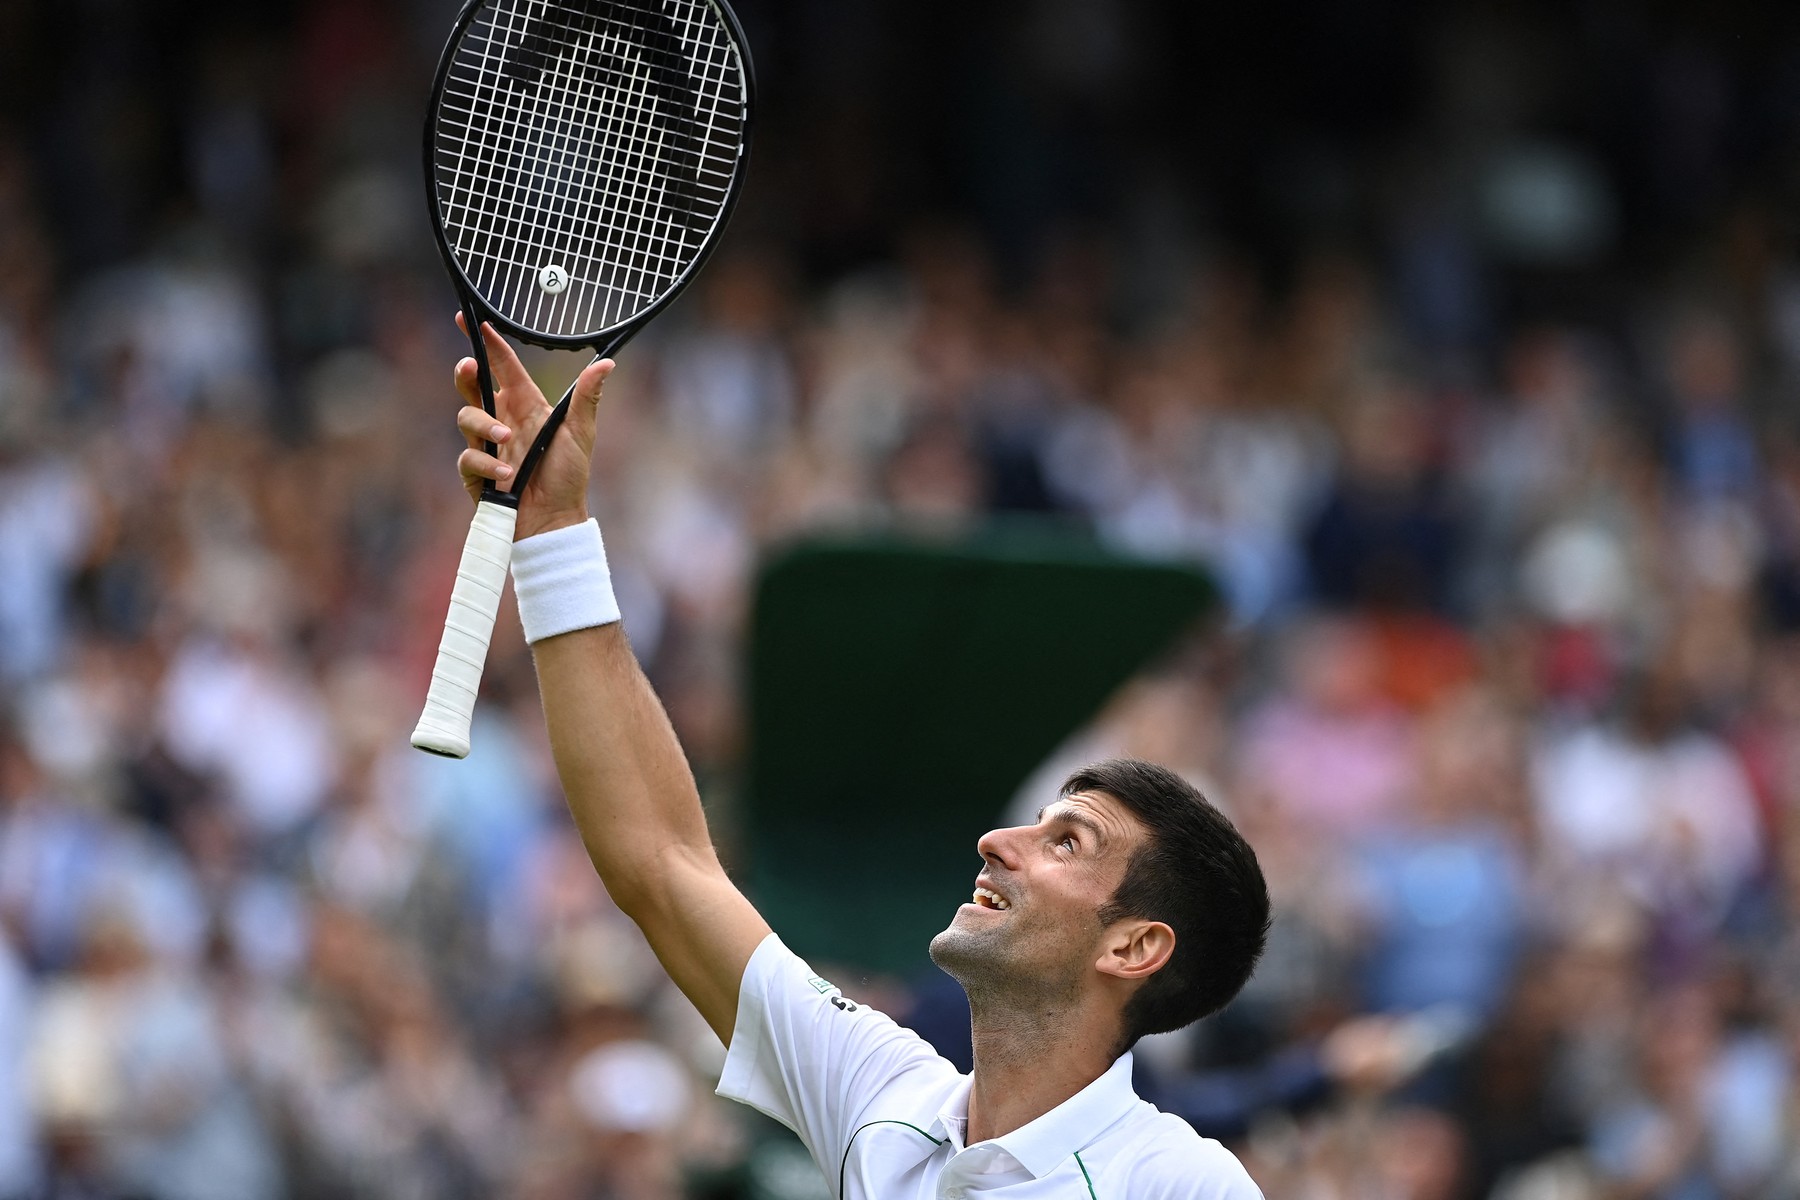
884, 1116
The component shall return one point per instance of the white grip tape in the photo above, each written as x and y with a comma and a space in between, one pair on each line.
475, 602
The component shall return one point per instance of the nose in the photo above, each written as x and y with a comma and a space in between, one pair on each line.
999, 848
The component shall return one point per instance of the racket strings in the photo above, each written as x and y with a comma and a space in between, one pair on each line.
598, 137
531, 212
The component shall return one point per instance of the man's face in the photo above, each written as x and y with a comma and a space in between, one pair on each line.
1032, 925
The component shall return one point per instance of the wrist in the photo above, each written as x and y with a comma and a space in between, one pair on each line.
562, 582
532, 524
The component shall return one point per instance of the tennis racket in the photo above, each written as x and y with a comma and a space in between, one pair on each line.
581, 160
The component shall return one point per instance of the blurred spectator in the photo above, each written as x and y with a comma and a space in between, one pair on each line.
1702, 1120
1333, 753
1445, 887
1386, 536
253, 721
1655, 806
1511, 1100
1715, 455
45, 525
129, 1065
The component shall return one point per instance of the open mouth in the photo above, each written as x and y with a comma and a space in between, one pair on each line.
987, 898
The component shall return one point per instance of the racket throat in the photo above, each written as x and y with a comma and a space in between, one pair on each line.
493, 495
541, 443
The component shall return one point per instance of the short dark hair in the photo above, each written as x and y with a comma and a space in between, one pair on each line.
1195, 873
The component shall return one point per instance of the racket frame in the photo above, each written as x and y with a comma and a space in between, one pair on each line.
604, 342
610, 339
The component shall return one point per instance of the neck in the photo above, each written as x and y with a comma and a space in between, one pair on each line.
1030, 1059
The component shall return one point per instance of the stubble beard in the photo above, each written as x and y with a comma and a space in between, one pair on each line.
997, 973
972, 959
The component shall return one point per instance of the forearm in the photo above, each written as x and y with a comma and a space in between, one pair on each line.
626, 779
622, 768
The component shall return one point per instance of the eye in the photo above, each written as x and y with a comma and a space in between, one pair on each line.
1068, 843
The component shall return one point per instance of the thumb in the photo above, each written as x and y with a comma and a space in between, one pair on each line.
585, 404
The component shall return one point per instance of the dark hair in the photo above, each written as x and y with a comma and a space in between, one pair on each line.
1195, 873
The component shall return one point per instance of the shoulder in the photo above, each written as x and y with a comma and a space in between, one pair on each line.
1164, 1159
779, 985
799, 1043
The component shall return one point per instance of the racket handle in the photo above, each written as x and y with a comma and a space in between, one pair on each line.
475, 602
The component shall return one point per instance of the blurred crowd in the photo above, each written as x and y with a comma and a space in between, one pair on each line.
1508, 697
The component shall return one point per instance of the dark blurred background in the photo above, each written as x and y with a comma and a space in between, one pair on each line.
1460, 341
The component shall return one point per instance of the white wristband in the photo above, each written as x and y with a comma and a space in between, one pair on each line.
562, 582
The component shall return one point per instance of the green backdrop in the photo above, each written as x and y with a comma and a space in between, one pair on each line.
900, 691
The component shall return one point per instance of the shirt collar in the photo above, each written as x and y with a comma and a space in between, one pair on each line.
952, 1122
1041, 1145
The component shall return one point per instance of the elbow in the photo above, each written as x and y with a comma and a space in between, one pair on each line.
670, 877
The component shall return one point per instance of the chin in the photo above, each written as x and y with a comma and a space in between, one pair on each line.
1008, 966
972, 957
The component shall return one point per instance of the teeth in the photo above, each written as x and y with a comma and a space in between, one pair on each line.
991, 899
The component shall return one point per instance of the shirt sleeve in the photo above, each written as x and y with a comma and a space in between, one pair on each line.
804, 1054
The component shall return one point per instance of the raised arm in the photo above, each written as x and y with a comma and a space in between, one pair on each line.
622, 769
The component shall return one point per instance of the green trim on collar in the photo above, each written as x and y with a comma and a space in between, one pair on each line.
844, 1166
1089, 1179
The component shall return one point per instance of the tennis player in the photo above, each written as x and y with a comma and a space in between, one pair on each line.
1130, 907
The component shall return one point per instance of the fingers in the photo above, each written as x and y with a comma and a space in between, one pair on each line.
586, 401
480, 428
587, 388
503, 361
478, 464
468, 382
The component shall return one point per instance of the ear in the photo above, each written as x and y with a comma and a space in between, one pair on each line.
1136, 949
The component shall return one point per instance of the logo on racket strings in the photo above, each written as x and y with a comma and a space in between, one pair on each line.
553, 279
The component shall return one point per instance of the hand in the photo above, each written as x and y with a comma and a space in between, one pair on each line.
1365, 1054
557, 494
